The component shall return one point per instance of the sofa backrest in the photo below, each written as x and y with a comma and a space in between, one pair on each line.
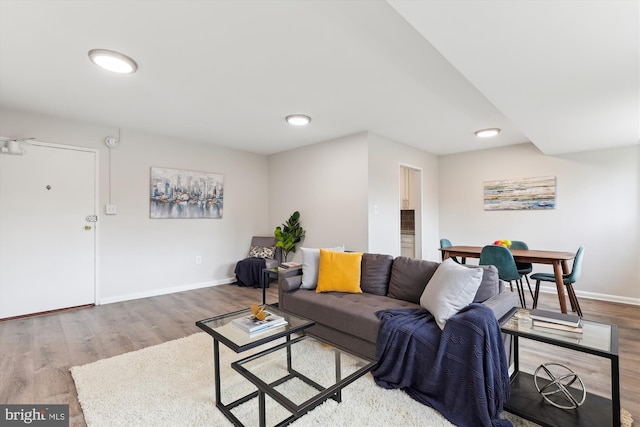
406, 278
375, 273
490, 284
409, 277
401, 278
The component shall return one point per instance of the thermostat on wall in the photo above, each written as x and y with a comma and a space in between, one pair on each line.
111, 141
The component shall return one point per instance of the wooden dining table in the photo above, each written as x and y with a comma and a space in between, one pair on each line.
559, 261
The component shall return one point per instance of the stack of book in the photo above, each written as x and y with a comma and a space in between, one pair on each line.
558, 321
252, 325
289, 264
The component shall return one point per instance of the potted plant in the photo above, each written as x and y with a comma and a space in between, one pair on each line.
289, 234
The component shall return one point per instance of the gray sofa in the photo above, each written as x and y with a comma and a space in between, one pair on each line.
348, 320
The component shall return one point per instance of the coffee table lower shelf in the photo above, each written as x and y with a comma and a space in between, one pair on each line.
526, 402
341, 377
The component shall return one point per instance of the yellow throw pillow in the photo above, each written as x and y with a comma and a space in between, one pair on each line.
339, 272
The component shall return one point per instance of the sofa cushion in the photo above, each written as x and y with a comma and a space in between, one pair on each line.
353, 314
409, 277
339, 271
376, 272
310, 260
451, 289
490, 284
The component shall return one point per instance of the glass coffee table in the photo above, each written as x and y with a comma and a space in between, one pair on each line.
300, 374
223, 331
599, 339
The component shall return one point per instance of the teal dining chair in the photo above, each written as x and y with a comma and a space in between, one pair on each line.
524, 268
446, 243
502, 259
568, 279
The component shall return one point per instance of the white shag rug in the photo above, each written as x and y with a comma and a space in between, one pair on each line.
173, 384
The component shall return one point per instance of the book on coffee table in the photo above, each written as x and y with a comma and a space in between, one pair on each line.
252, 325
557, 326
555, 317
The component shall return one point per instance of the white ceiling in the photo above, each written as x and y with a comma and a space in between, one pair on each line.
563, 74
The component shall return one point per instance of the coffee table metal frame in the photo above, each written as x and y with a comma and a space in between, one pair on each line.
295, 324
324, 393
599, 339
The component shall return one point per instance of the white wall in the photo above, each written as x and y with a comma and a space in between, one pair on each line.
385, 159
327, 184
337, 184
138, 256
597, 207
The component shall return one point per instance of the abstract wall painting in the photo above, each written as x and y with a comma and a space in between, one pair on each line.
186, 194
518, 194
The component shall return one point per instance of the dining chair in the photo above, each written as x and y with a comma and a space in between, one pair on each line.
524, 268
502, 259
446, 243
568, 280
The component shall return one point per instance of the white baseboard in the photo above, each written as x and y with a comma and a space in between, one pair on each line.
593, 295
165, 291
192, 286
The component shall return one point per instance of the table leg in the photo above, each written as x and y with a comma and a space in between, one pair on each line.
516, 355
557, 270
289, 366
338, 397
216, 369
615, 390
262, 408
265, 280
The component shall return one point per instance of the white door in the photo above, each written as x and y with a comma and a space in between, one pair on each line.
47, 243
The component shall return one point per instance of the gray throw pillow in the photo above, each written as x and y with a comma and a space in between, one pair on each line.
490, 285
409, 277
451, 289
375, 273
310, 264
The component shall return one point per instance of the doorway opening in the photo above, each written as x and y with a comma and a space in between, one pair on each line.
410, 212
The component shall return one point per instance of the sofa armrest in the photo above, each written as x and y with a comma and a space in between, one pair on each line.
289, 279
502, 303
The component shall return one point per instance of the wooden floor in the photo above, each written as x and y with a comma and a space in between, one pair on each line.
37, 352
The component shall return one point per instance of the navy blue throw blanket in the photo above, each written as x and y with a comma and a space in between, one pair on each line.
249, 271
462, 371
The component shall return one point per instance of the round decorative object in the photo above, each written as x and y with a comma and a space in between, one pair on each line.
559, 386
111, 142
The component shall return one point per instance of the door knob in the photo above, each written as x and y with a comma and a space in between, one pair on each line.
87, 227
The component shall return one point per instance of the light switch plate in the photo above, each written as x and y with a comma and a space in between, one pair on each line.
110, 209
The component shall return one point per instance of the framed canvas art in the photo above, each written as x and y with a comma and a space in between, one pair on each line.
525, 193
186, 194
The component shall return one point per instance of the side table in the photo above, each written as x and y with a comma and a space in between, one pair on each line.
599, 339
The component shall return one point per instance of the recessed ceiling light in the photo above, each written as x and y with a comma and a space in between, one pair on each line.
113, 61
487, 133
298, 119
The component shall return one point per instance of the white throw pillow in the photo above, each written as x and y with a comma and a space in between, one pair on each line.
451, 288
310, 264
